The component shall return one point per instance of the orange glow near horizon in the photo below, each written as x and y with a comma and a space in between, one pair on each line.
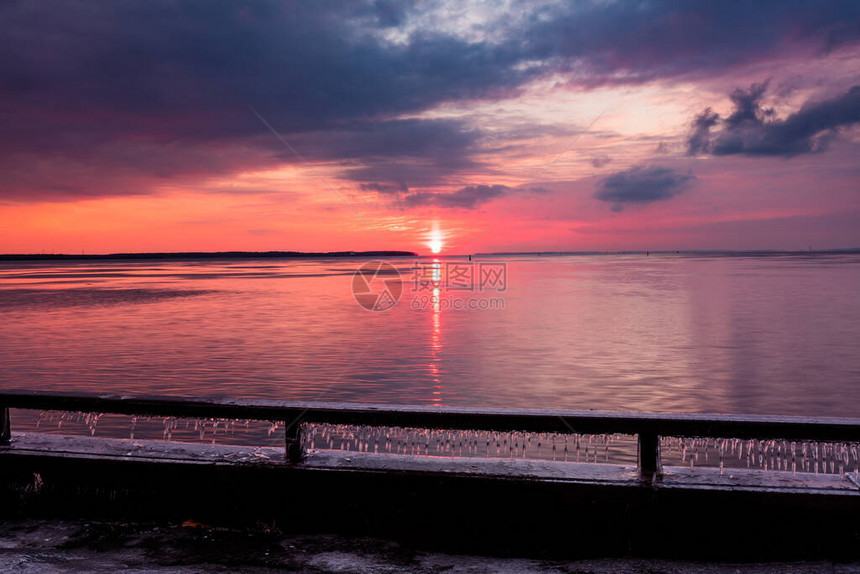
287, 208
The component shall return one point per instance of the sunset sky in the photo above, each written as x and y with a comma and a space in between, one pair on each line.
491, 126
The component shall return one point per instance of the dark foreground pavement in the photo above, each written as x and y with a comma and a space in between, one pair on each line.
49, 546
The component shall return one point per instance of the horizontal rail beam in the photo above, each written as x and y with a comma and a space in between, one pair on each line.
530, 420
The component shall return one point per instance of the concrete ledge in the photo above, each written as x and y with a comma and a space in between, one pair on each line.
502, 507
58, 445
151, 451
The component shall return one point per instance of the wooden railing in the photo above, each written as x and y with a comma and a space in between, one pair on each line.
648, 427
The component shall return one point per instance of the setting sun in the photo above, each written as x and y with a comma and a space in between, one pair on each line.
435, 241
492, 261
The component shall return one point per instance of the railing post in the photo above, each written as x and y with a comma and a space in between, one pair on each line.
649, 456
5, 427
293, 440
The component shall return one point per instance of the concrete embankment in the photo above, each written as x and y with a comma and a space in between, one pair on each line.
525, 509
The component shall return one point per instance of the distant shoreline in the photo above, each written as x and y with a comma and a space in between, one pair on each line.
751, 252
204, 255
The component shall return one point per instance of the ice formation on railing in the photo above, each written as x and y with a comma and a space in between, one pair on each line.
89, 421
570, 447
165, 428
817, 457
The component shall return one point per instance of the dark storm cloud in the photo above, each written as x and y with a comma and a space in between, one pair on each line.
302, 65
751, 129
386, 188
630, 42
642, 184
406, 153
390, 13
97, 101
699, 141
110, 99
748, 106
468, 197
401, 153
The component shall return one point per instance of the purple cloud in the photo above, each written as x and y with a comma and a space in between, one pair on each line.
642, 184
751, 129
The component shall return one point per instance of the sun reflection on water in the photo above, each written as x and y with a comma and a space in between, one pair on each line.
436, 336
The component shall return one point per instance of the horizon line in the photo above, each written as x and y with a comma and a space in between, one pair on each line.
392, 253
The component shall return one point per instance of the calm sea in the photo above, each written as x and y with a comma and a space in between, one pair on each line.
773, 334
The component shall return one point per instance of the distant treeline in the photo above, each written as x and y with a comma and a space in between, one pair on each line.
208, 255
716, 252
